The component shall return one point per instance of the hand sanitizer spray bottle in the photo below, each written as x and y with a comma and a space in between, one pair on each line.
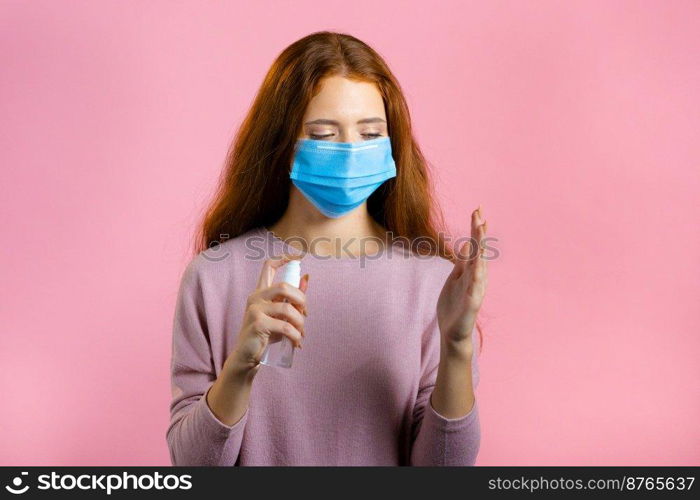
280, 350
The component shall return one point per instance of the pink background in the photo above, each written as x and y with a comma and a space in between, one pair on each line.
574, 124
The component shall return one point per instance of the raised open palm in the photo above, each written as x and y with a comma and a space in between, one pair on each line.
463, 293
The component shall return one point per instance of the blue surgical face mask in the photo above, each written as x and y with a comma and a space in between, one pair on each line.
337, 177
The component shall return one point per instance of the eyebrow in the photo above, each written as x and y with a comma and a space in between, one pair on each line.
324, 121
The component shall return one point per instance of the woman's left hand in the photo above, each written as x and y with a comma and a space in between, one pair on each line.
464, 289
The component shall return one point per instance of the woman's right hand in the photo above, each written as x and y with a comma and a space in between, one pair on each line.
267, 315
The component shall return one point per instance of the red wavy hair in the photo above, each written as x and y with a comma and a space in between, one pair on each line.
254, 186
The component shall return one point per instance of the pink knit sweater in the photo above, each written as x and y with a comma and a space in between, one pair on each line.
357, 393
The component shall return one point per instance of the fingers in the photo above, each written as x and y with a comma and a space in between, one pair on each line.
266, 325
479, 269
268, 270
285, 311
461, 260
280, 291
470, 250
281, 327
267, 273
478, 230
475, 263
475, 223
303, 285
465, 250
480, 263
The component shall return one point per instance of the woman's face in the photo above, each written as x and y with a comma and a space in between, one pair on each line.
345, 111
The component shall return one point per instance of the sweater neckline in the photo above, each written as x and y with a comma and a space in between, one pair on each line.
280, 246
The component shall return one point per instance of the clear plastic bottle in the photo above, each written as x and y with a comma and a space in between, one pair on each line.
280, 349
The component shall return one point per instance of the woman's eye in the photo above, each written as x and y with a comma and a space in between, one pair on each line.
321, 137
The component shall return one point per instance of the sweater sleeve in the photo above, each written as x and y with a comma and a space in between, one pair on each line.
440, 441
195, 436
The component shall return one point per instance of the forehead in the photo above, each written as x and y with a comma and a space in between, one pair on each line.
342, 98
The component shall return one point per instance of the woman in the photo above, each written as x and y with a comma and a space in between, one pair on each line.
325, 169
